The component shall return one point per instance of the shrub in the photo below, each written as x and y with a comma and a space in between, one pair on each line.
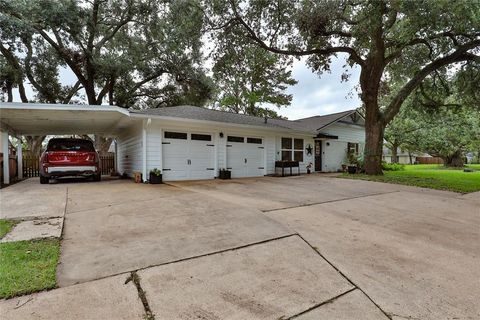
393, 166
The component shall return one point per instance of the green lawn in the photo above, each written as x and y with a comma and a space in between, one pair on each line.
6, 226
430, 176
28, 266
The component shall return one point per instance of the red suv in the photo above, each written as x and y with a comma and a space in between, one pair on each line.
69, 157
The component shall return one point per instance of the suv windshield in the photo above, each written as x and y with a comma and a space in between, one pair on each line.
70, 145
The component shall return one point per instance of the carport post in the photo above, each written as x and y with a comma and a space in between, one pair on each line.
6, 158
144, 149
19, 159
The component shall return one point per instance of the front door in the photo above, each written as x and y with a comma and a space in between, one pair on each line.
318, 155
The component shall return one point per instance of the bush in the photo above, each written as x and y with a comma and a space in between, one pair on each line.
393, 166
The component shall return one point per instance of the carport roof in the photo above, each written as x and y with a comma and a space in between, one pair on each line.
58, 119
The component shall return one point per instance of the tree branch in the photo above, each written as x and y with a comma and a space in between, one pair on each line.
72, 92
461, 54
146, 80
117, 27
320, 51
12, 60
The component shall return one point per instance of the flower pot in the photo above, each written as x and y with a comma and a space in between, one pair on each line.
224, 174
344, 168
308, 171
154, 179
352, 169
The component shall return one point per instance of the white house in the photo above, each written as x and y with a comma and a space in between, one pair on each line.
189, 143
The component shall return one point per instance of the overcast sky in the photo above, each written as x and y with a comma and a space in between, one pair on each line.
312, 95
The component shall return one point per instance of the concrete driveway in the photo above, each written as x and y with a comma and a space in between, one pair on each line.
307, 247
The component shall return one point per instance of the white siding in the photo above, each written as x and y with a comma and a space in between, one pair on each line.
346, 133
154, 149
270, 149
335, 151
129, 148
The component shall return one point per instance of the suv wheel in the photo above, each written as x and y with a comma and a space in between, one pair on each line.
44, 180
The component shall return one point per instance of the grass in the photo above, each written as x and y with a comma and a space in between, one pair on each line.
6, 226
429, 176
28, 266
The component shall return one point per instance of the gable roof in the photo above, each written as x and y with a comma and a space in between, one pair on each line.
309, 125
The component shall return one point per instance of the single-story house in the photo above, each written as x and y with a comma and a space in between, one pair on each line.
190, 143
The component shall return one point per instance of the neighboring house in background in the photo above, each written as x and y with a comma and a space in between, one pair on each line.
410, 158
402, 156
190, 143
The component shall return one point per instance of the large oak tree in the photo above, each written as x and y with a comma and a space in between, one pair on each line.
388, 39
123, 52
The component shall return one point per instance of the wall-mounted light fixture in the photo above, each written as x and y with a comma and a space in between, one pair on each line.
328, 143
221, 134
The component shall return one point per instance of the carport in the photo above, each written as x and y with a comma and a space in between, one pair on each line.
22, 119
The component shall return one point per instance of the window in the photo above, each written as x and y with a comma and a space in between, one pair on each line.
175, 135
286, 155
235, 139
201, 137
292, 149
352, 148
298, 144
286, 143
70, 145
254, 140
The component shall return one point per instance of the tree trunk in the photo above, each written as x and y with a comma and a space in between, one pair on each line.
102, 144
374, 130
373, 149
34, 144
454, 160
394, 152
9, 91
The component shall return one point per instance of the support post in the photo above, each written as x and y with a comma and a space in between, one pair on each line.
115, 156
19, 159
144, 153
6, 158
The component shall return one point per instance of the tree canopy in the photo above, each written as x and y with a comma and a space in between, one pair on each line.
124, 52
248, 78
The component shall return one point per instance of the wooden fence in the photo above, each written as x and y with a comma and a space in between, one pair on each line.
429, 160
13, 167
107, 163
31, 165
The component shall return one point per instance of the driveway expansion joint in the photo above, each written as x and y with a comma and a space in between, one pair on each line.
388, 315
185, 259
135, 278
329, 201
318, 305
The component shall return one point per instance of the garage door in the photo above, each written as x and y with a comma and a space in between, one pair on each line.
188, 156
245, 156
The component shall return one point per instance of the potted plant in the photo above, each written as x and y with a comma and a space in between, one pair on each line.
309, 168
224, 174
352, 163
155, 176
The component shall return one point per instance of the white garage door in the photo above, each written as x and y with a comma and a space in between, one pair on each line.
188, 156
245, 156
